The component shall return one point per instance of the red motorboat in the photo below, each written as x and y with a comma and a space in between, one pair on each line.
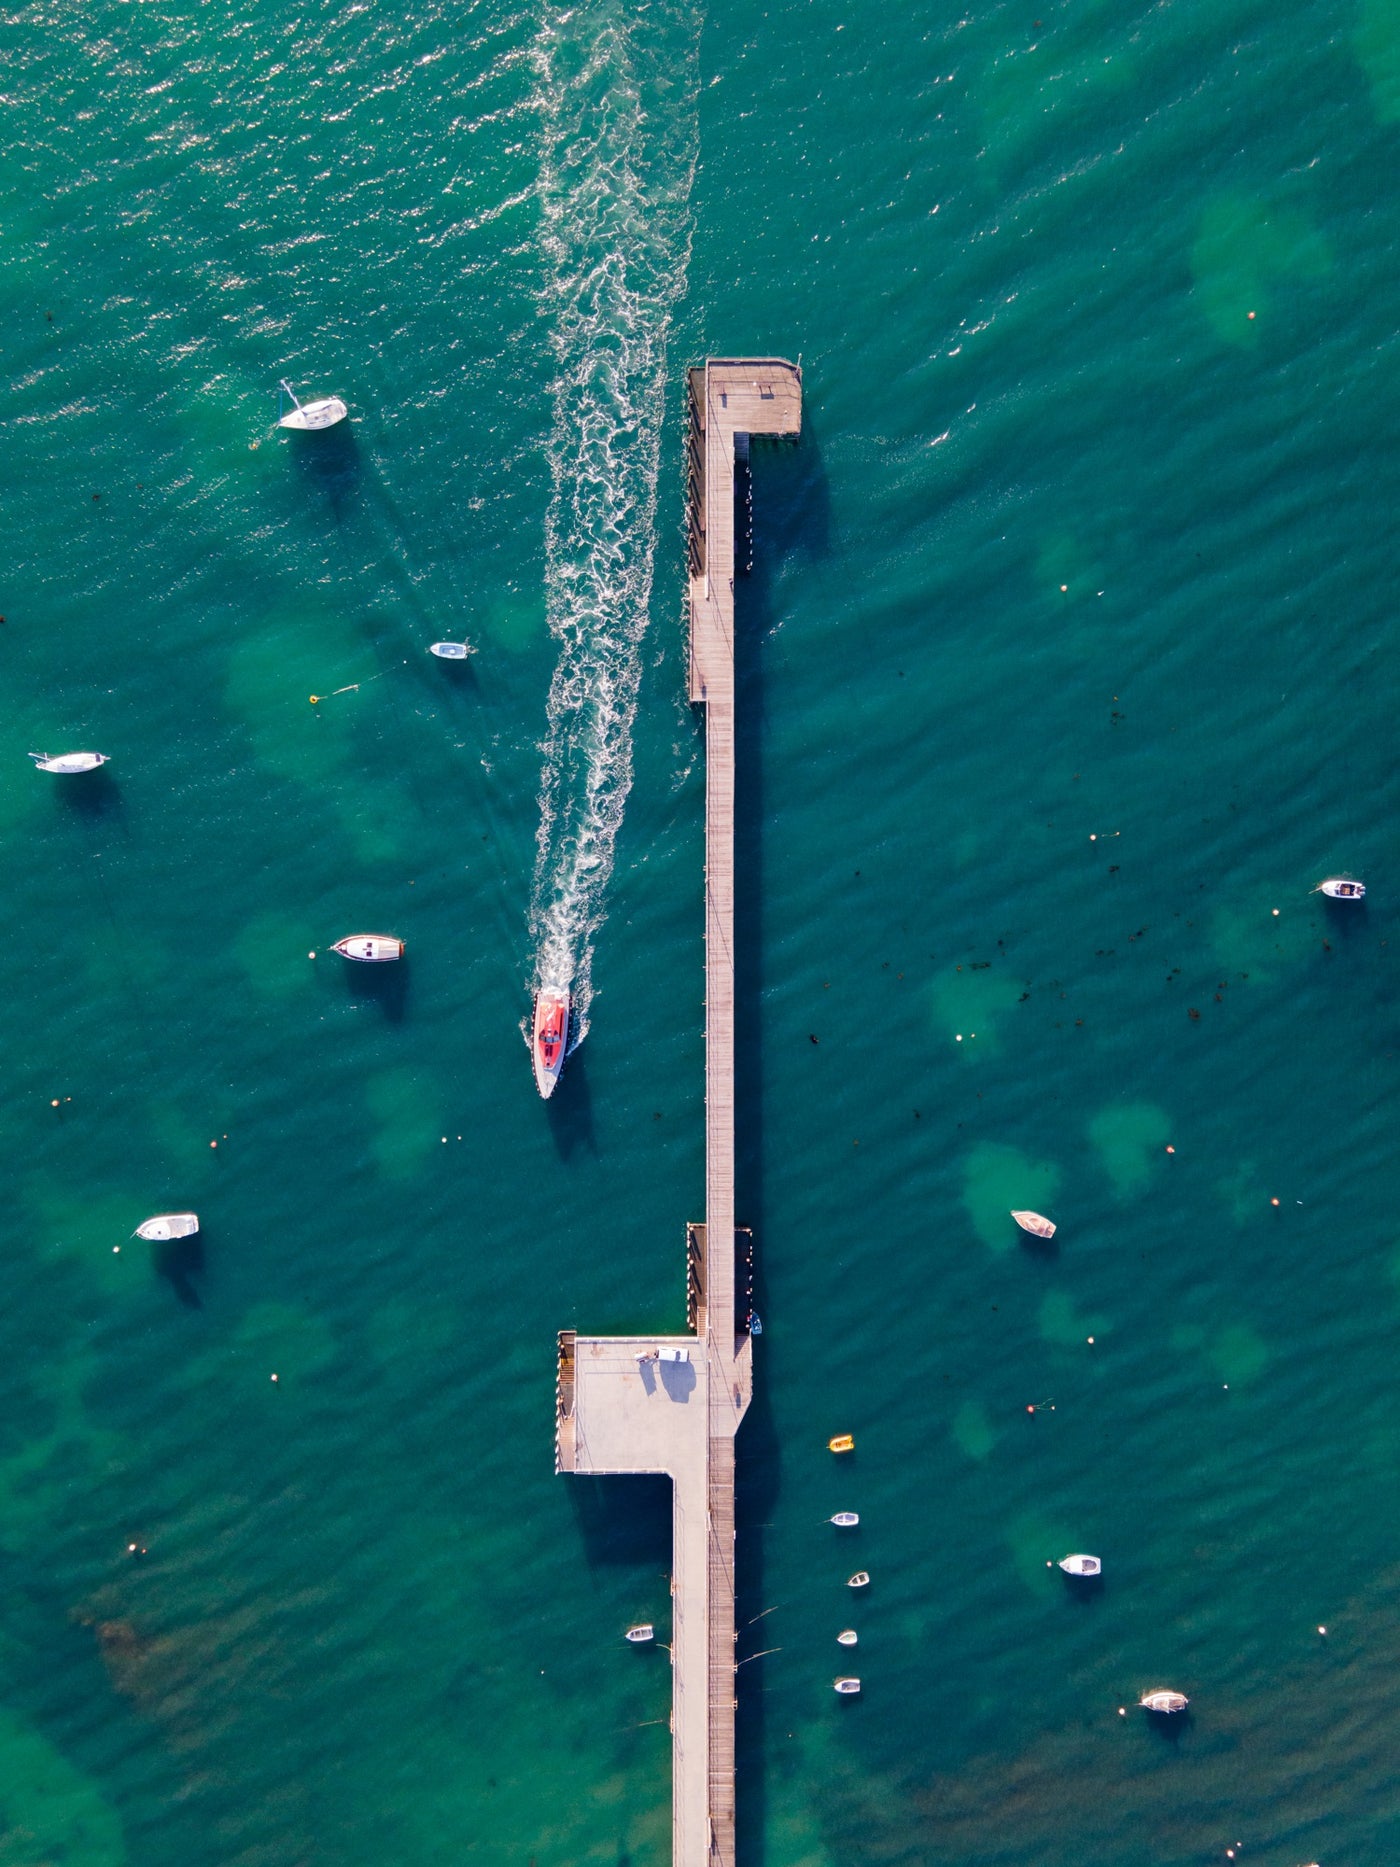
551, 1038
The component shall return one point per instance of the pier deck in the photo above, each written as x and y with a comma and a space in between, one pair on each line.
617, 1413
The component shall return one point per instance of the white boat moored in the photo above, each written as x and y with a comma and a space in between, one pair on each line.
861, 1579
846, 1519
1164, 1701
324, 412
451, 651
1081, 1565
369, 947
641, 1633
68, 761
1033, 1222
847, 1637
1340, 888
168, 1225
846, 1687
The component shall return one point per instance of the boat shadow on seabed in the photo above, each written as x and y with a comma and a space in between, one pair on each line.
329, 462
570, 1109
384, 986
179, 1261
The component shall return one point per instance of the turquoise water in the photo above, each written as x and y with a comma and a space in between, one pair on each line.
1069, 656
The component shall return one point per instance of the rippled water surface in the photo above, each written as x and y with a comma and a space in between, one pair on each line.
1068, 668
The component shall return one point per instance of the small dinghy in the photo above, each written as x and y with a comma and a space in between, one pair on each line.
370, 947
1164, 1701
451, 651
68, 761
1081, 1565
1033, 1223
846, 1519
168, 1225
755, 1323
846, 1687
551, 1037
1338, 888
324, 412
641, 1633
843, 1442
861, 1579
847, 1637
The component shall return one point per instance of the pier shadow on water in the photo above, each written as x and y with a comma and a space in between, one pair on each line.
623, 1519
791, 513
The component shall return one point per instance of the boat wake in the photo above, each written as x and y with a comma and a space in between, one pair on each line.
618, 90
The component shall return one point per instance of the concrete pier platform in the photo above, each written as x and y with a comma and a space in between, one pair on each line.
617, 1409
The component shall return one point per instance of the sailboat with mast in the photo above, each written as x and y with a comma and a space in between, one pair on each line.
324, 412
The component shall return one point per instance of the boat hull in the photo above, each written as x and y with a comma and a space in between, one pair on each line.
1081, 1565
1164, 1701
450, 651
1035, 1224
167, 1225
324, 413
848, 1688
369, 949
68, 762
549, 1039
1338, 888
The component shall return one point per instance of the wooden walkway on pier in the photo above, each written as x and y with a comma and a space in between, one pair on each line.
618, 1409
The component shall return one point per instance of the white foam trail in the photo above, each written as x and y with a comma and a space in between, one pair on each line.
618, 86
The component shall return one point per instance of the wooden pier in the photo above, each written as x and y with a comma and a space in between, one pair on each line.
620, 1406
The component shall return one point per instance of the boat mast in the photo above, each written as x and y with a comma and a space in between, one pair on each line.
284, 384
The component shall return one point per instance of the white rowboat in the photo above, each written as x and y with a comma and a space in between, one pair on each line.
641, 1633
1164, 1701
1033, 1222
69, 761
847, 1637
324, 412
846, 1519
1081, 1565
861, 1579
846, 1687
369, 947
168, 1225
451, 651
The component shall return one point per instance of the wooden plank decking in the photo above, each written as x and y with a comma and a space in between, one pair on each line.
614, 1412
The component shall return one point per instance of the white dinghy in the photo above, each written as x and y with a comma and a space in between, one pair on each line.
847, 1637
1081, 1565
451, 651
846, 1687
1034, 1223
369, 947
1164, 1701
846, 1519
68, 761
641, 1633
168, 1225
324, 412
